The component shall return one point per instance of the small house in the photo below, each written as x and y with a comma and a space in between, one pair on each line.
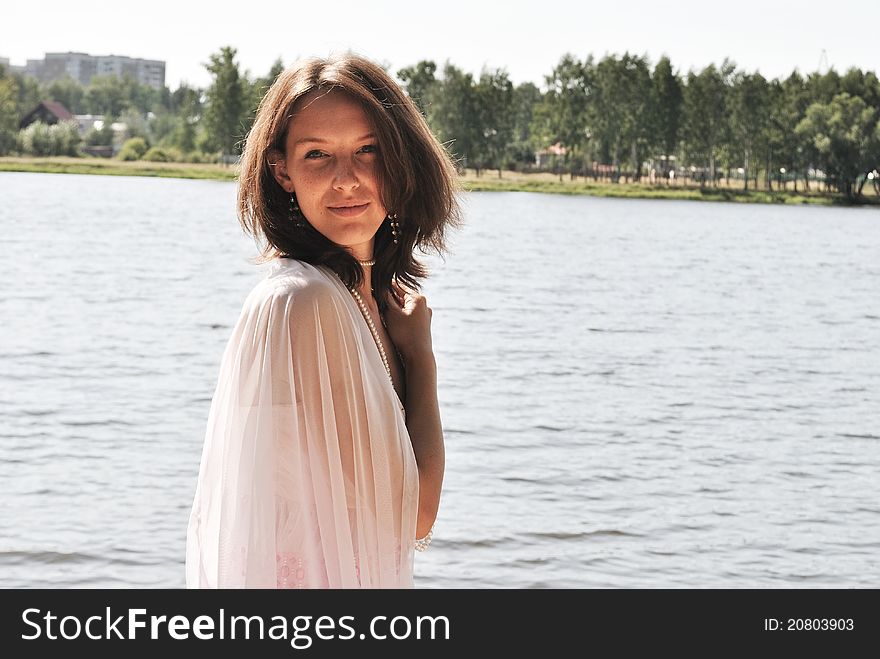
49, 112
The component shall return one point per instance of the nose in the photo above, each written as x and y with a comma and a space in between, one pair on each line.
345, 177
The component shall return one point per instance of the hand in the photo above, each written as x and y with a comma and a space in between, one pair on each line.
408, 321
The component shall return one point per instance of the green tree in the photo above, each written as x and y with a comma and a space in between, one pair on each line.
105, 95
420, 83
454, 115
844, 133
873, 156
186, 99
226, 102
622, 104
862, 84
9, 113
136, 125
29, 93
69, 93
256, 91
789, 108
261, 85
562, 115
142, 98
822, 88
526, 98
162, 126
749, 105
705, 116
778, 158
667, 108
186, 104
494, 94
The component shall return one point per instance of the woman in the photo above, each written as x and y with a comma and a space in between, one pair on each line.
324, 458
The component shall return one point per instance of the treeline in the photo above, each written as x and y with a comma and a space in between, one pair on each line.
613, 115
616, 117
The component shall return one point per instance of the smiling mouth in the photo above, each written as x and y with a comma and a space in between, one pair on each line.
349, 210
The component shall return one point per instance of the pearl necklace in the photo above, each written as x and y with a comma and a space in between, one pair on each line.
372, 326
370, 263
421, 544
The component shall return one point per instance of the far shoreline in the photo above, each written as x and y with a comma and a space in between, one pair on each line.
487, 182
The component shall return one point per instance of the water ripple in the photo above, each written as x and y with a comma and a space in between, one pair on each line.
667, 394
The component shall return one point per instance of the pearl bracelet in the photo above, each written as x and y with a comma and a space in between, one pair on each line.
422, 545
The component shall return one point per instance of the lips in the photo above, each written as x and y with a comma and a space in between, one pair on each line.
350, 204
349, 209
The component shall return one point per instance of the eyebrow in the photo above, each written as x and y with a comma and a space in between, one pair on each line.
318, 140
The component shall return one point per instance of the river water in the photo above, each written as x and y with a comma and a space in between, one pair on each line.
634, 393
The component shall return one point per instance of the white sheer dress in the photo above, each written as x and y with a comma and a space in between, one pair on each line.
307, 477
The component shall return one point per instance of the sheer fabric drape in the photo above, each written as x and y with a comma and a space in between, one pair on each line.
307, 477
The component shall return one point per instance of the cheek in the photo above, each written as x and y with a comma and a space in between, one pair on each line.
371, 173
308, 184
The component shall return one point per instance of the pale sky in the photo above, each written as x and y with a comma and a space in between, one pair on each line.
526, 38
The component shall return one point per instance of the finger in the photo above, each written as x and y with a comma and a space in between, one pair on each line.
395, 299
403, 295
400, 290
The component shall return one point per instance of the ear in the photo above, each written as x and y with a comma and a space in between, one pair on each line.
278, 165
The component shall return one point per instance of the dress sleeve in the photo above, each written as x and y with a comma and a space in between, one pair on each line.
308, 478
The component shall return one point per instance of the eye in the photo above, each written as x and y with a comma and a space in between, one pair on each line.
369, 148
314, 154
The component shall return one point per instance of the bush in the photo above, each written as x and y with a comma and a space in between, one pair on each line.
174, 154
157, 154
35, 140
201, 157
100, 136
68, 138
164, 154
40, 139
133, 149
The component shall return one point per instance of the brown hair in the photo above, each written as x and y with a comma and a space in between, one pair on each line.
415, 174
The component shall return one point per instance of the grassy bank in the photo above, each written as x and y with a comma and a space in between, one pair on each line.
58, 165
489, 181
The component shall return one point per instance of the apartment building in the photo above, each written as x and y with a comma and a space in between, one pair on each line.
83, 67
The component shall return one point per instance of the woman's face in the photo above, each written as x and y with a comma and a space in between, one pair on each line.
331, 164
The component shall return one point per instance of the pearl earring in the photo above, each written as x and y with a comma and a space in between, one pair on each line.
295, 213
395, 227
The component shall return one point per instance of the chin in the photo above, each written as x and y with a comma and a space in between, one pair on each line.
354, 235
350, 238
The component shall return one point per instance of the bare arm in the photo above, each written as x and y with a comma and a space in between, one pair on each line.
409, 324
426, 434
